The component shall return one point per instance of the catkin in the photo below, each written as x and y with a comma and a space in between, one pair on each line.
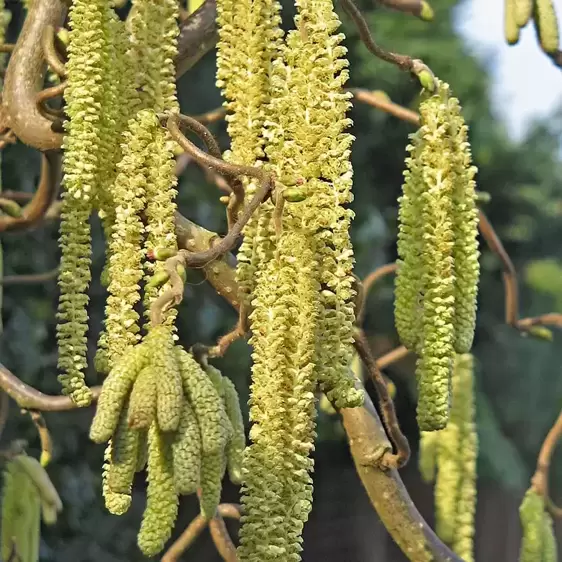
546, 24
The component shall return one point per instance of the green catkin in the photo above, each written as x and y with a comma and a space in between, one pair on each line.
465, 228
142, 403
463, 410
186, 451
550, 546
213, 466
83, 96
511, 29
206, 403
38, 475
277, 491
546, 25
437, 279
114, 392
165, 367
162, 500
21, 513
249, 39
115, 503
531, 513
429, 445
124, 456
237, 444
523, 12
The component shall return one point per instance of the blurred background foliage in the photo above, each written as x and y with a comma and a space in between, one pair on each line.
518, 379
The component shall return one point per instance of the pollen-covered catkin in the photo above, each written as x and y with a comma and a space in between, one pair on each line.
438, 269
81, 181
531, 513
116, 503
162, 500
186, 451
213, 466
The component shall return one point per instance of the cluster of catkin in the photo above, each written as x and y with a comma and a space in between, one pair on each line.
449, 457
539, 541
28, 496
517, 15
287, 114
159, 407
438, 269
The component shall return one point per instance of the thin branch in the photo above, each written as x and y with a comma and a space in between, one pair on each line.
404, 62
368, 283
28, 398
386, 105
390, 460
221, 537
37, 209
44, 437
50, 52
392, 356
211, 116
30, 278
540, 478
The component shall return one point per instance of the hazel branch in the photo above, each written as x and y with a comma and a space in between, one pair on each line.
36, 210
540, 478
403, 62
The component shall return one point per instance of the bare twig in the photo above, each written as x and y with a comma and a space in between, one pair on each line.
211, 116
369, 281
30, 278
379, 102
44, 437
390, 460
540, 478
36, 210
219, 534
392, 356
28, 398
50, 53
404, 62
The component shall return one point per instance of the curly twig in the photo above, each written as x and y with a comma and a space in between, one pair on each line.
50, 52
540, 478
44, 437
403, 62
36, 210
24, 78
380, 102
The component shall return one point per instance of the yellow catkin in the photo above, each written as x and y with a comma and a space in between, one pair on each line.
523, 12
186, 451
249, 39
511, 29
550, 544
124, 456
115, 503
114, 391
162, 501
546, 24
429, 444
83, 96
206, 403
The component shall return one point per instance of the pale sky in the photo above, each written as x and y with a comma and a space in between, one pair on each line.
526, 84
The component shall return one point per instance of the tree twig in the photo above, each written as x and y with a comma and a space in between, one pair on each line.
30, 278
386, 105
540, 478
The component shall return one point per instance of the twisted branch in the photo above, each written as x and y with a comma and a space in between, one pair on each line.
540, 478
